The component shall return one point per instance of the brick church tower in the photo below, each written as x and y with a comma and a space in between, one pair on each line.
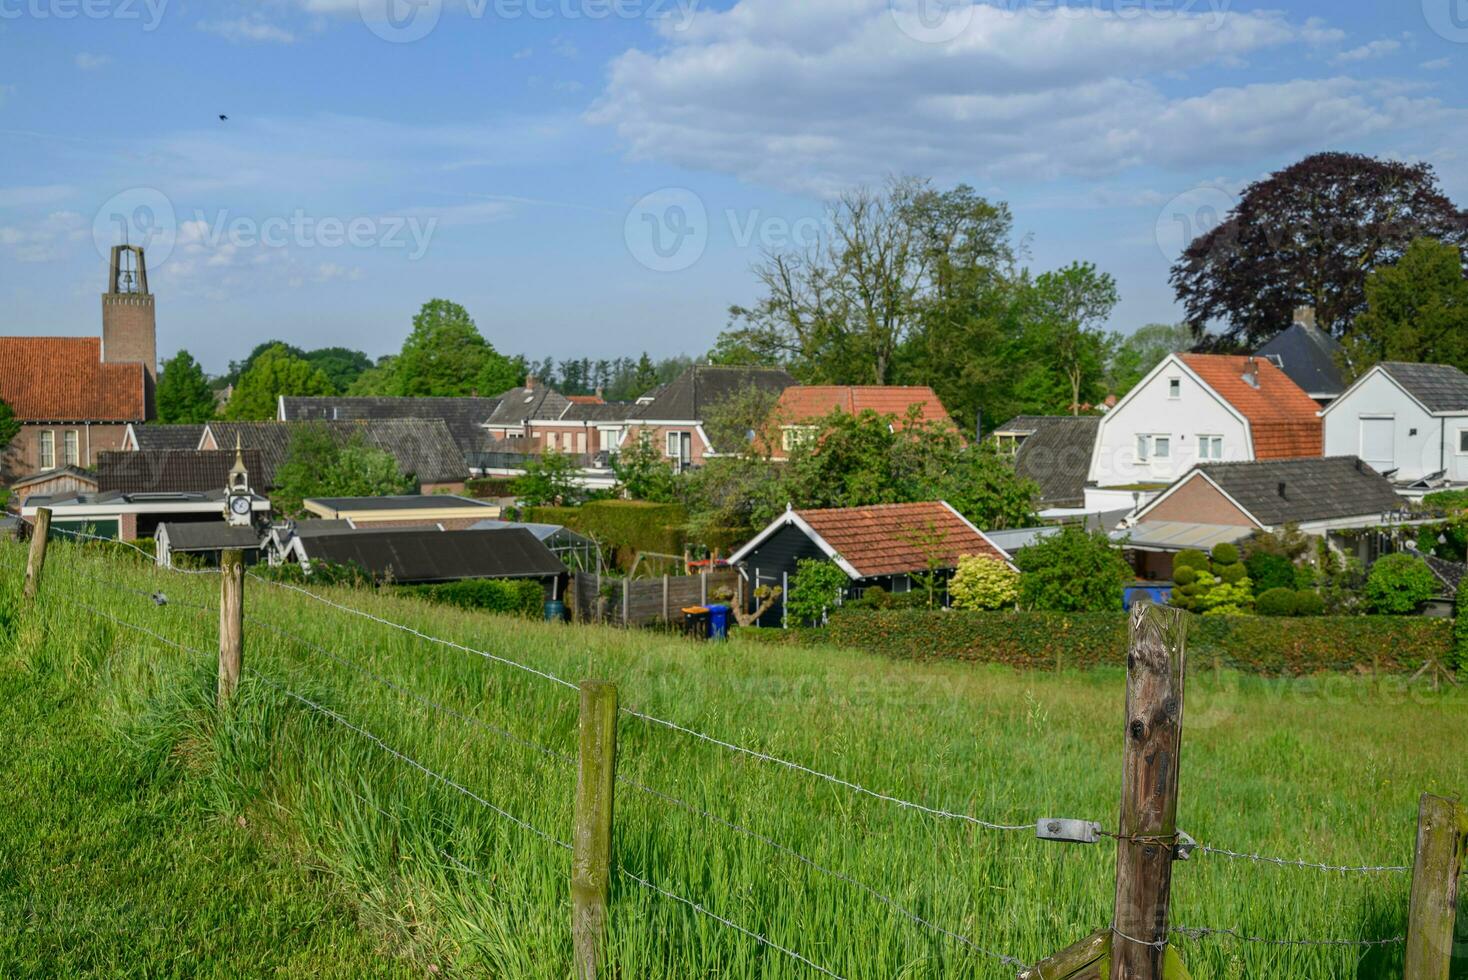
129, 327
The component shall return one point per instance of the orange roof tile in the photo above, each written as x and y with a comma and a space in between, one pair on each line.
805, 403
1281, 416
585, 399
890, 539
63, 379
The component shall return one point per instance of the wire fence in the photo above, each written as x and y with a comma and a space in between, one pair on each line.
156, 600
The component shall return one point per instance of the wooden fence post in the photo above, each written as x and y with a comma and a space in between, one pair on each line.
1147, 835
591, 840
1442, 838
36, 562
231, 622
627, 602
665, 598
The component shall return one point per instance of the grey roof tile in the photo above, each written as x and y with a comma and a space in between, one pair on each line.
465, 417
438, 556
153, 436
1441, 387
1056, 455
422, 447
1309, 357
690, 396
1296, 491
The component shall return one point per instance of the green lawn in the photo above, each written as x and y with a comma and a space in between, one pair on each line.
109, 729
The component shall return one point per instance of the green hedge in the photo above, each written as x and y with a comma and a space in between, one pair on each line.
1273, 646
623, 527
518, 597
489, 487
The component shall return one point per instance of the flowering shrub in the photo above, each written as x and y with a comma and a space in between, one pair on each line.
982, 582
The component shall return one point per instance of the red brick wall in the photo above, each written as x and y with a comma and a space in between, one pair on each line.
23, 457
658, 436
1199, 502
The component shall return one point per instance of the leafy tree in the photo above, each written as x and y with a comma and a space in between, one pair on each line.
549, 479
1071, 304
1142, 351
376, 379
1310, 234
643, 473
645, 378
1416, 310
341, 364
731, 494
275, 372
1398, 584
1072, 571
9, 425
318, 465
981, 582
238, 368
1269, 572
816, 588
183, 395
445, 356
984, 487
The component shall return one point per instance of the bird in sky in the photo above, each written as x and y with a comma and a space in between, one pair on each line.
223, 117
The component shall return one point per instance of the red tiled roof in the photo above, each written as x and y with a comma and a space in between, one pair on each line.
63, 379
1281, 416
890, 539
586, 399
804, 403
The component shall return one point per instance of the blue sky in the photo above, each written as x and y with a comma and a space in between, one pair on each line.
596, 177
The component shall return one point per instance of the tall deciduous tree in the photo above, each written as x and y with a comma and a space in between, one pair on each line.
1416, 310
445, 355
1310, 234
1140, 352
275, 372
183, 395
1071, 304
9, 425
318, 465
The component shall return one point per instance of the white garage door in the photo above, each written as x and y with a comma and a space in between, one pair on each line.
1379, 443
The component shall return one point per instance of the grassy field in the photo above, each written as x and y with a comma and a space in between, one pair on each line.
1325, 772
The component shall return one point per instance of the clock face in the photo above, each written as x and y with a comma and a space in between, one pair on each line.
240, 505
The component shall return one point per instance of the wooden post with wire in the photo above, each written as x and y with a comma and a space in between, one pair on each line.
1147, 835
36, 560
591, 840
1442, 842
231, 622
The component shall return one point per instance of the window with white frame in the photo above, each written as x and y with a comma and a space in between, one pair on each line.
550, 441
48, 450
796, 435
1151, 446
71, 447
1144, 448
675, 444
1174, 388
1210, 447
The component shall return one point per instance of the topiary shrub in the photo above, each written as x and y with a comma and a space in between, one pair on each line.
1398, 584
1184, 576
1190, 558
1308, 603
983, 583
1275, 602
1268, 571
1233, 574
1073, 571
1225, 554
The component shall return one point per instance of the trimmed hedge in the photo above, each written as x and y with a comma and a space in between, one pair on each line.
624, 527
1274, 646
516, 597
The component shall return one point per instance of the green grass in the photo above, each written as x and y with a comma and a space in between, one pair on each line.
1323, 771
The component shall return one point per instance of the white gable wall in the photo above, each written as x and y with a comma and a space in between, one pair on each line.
1149, 410
1379, 422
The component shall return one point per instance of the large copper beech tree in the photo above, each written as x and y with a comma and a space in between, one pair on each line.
1309, 235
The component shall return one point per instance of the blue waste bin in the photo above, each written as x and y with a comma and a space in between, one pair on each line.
555, 611
718, 622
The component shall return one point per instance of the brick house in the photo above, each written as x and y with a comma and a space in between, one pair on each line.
801, 408
76, 396
673, 418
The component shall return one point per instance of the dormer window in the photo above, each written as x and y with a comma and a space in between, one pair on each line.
1174, 388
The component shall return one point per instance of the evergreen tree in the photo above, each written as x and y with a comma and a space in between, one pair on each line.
183, 395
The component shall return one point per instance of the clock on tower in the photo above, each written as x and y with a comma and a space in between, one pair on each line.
239, 499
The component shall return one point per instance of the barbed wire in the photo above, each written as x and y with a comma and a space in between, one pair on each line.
1283, 862
152, 558
732, 925
408, 760
545, 675
65, 600
1203, 932
158, 598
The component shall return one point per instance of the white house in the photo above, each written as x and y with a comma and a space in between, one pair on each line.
1198, 408
1409, 421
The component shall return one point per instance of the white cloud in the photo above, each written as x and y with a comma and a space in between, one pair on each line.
813, 97
92, 62
249, 30
522, 54
564, 47
1316, 32
47, 240
1437, 64
1367, 52
34, 195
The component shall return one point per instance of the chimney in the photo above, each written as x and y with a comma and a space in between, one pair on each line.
1251, 372
129, 328
531, 381
1305, 316
600, 393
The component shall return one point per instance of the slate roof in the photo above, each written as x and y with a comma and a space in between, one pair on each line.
889, 539
210, 536
438, 556
806, 403
465, 416
63, 379
536, 404
153, 436
597, 412
406, 503
1308, 356
422, 447
154, 470
1449, 574
1281, 416
1056, 455
1441, 387
1313, 489
688, 397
